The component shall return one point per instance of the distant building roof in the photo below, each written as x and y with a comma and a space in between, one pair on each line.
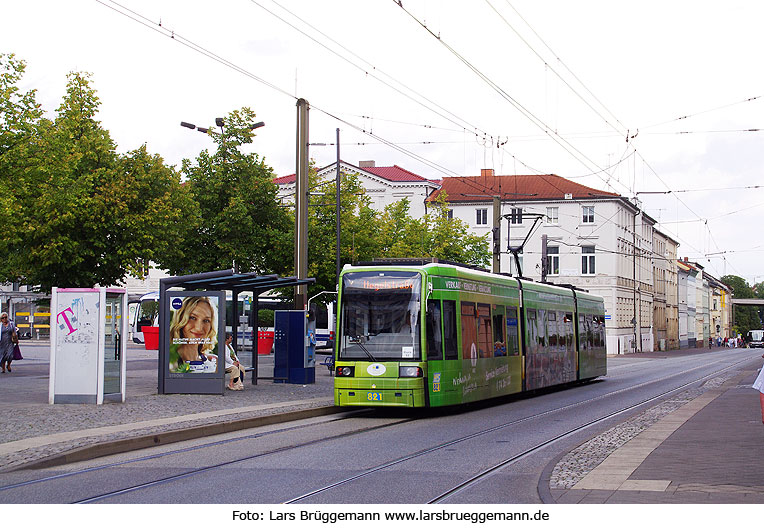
517, 188
395, 173
287, 179
390, 173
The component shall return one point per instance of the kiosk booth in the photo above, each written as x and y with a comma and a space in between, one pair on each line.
87, 351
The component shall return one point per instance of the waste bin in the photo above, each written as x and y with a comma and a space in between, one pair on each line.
151, 337
264, 342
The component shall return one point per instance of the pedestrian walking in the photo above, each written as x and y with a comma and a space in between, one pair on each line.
759, 386
8, 339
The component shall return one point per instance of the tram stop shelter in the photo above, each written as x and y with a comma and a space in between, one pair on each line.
214, 283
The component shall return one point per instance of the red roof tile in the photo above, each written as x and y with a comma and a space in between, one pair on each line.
389, 173
395, 174
515, 187
287, 179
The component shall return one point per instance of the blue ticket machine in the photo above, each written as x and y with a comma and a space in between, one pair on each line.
294, 348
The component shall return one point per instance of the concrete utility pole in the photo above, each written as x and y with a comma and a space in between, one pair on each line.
301, 205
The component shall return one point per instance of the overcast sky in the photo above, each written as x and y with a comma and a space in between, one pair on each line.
559, 85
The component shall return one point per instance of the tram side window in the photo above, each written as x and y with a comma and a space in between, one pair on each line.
589, 332
581, 332
485, 336
599, 330
469, 330
434, 342
499, 345
450, 342
552, 328
533, 343
512, 339
569, 331
541, 337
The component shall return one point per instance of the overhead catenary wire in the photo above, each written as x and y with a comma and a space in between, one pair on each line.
621, 131
688, 116
176, 37
560, 140
215, 57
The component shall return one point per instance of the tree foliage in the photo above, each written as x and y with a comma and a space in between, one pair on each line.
367, 234
236, 219
746, 317
75, 212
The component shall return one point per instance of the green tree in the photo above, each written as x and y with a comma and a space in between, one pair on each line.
237, 219
357, 229
20, 151
367, 234
81, 213
435, 235
746, 317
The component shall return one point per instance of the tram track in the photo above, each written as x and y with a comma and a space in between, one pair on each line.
525, 453
396, 423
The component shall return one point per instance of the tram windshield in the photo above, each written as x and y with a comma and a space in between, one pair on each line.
380, 316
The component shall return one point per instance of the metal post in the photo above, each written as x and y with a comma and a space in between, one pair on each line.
254, 320
337, 185
301, 205
634, 274
544, 258
496, 235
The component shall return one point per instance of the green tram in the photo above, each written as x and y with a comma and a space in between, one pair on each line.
442, 334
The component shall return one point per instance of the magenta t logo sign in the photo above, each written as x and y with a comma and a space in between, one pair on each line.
66, 320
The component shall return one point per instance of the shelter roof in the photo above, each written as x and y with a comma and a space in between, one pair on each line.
230, 280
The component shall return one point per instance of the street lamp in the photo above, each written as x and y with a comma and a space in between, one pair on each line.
220, 123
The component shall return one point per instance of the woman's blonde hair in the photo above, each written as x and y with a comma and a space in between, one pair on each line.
181, 316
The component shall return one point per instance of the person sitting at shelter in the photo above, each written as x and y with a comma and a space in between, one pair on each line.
233, 366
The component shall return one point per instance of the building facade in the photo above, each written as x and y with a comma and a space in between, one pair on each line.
383, 185
596, 240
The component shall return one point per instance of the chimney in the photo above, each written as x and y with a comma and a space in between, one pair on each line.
486, 173
366, 164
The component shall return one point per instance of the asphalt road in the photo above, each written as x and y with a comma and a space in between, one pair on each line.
439, 449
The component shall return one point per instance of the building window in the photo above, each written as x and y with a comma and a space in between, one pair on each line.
516, 216
450, 213
588, 214
587, 260
481, 216
553, 260
553, 215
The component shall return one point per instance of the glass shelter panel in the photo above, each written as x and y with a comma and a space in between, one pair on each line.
112, 370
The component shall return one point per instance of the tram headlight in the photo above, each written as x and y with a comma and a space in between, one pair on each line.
409, 372
344, 371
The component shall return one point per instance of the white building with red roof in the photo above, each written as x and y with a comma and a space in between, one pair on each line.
591, 241
384, 185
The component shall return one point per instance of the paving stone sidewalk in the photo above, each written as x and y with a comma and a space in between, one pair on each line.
701, 446
33, 431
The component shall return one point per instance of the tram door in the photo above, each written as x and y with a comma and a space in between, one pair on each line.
112, 369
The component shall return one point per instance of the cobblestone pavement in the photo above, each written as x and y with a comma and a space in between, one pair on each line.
32, 430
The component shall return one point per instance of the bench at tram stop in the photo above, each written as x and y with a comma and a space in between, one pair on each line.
328, 362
